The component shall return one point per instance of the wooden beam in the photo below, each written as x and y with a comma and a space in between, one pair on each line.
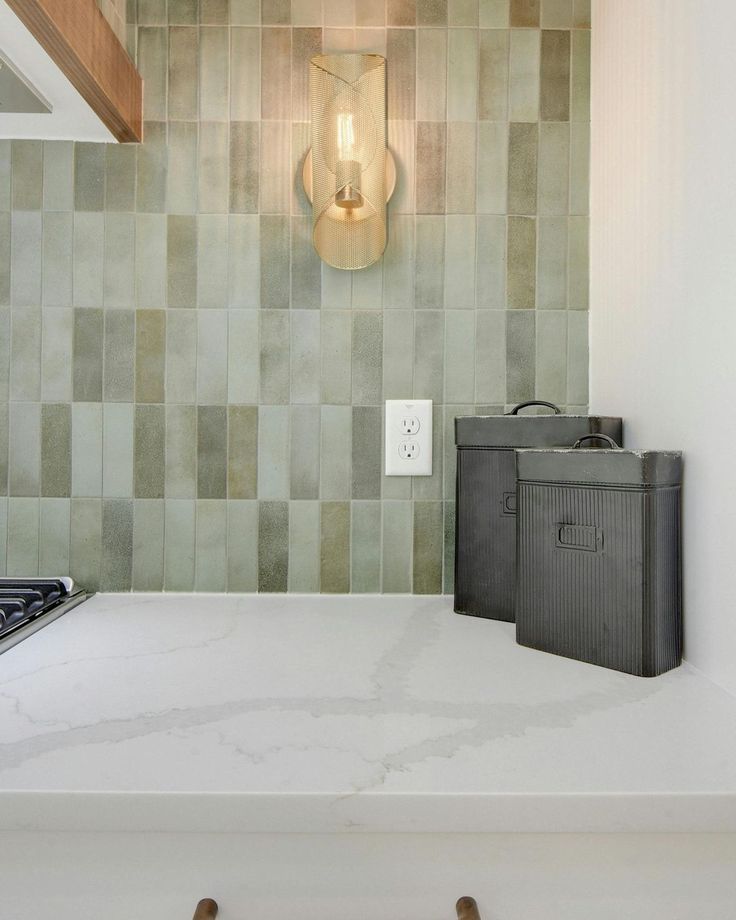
79, 39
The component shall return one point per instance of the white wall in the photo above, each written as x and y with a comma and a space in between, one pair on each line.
663, 273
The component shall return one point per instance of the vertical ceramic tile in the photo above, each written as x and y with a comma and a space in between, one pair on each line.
88, 254
212, 261
183, 97
116, 567
554, 104
493, 75
402, 141
460, 262
273, 452
521, 262
56, 355
401, 75
214, 12
304, 546
57, 259
429, 279
490, 281
152, 65
88, 350
523, 142
276, 74
25, 257
86, 542
306, 271
275, 261
431, 167
181, 357
245, 74
432, 12
554, 167
579, 167
148, 545
274, 358
181, 176
181, 260
151, 169
577, 358
460, 356
242, 452
336, 373
398, 340
429, 355
56, 450
428, 545
365, 543
151, 12
54, 532
304, 452
367, 452
211, 452
58, 175
397, 547
580, 76
210, 567
213, 194
242, 546
556, 14
578, 263
336, 452
5, 244
149, 467
117, 450
246, 12
25, 355
524, 67
367, 363
244, 273
525, 13
431, 74
150, 355
581, 14
5, 175
370, 13
520, 355
335, 547
276, 173
243, 364
179, 527
22, 548
119, 274
89, 177
490, 357
551, 359
150, 260
181, 448
462, 75
305, 357
86, 450
273, 546
245, 142
398, 264
214, 74
337, 288
552, 263
461, 167
4, 430
493, 14
305, 43
462, 13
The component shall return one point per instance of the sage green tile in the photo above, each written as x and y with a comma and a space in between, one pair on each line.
493, 14
25, 355
276, 74
212, 259
150, 355
5, 175
367, 452
551, 359
153, 68
274, 359
117, 545
242, 452
306, 270
211, 546
493, 75
581, 14
490, 356
245, 141
578, 263
25, 258
431, 74
58, 175
212, 452
523, 142
56, 450
462, 144
86, 450
214, 74
4, 432
401, 75
151, 169
525, 13
119, 267
367, 358
337, 288
57, 258
88, 349
150, 438
577, 358
301, 141
179, 528
275, 261
246, 12
580, 76
462, 13
214, 167
245, 74
183, 97
273, 546
460, 261
276, 170
117, 450
22, 547
520, 355
27, 172
521, 263
151, 12
425, 488
429, 280
556, 14
244, 261
214, 12
54, 532
396, 569
181, 357
243, 367
449, 464
398, 341
460, 356
181, 176
401, 12
181, 452
432, 12
334, 576
402, 141
429, 356
427, 547
524, 75
490, 281
336, 452
88, 256
5, 241
365, 542
448, 566
554, 167
119, 356
305, 43
89, 177
56, 355
462, 75
273, 452
181, 260
24, 454
579, 167
309, 12
148, 545
305, 452
398, 264
305, 357
304, 547
552, 263
554, 103
4, 355
431, 167
85, 551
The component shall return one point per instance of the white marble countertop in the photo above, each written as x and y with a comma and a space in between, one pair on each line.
322, 714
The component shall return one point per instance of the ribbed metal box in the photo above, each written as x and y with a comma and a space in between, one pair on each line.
599, 573
485, 534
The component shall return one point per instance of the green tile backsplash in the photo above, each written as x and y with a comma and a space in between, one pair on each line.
189, 399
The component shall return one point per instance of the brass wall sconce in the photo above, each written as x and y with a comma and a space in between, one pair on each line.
349, 173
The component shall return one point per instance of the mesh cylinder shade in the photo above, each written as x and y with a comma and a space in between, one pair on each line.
348, 107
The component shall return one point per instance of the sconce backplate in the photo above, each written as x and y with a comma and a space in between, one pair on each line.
390, 174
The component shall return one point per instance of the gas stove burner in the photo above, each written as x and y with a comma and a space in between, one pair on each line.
27, 604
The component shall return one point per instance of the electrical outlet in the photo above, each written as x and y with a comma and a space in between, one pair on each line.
408, 437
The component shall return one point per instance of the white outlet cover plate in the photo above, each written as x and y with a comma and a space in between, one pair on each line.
402, 417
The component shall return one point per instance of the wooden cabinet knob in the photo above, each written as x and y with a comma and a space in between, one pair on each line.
206, 910
467, 909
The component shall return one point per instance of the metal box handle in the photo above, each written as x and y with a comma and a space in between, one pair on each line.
597, 437
535, 402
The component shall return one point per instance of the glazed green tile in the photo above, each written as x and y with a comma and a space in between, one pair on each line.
4, 431
521, 262
524, 71
212, 259
522, 166
365, 542
579, 167
181, 357
335, 547
24, 449
577, 358
431, 12
305, 43
306, 270
54, 530
212, 357
214, 12
398, 341
461, 167
119, 271
578, 263
242, 546
401, 75
119, 356
244, 261
276, 170
551, 359
309, 12
274, 357
554, 167
85, 551
367, 454
25, 258
151, 12
367, 358
580, 76
493, 75
210, 567
276, 12
89, 177
462, 75
57, 258
181, 260
150, 260
148, 545
245, 141
490, 356
183, 98
212, 452
428, 356
556, 14
56, 450
88, 258
401, 12
273, 546
275, 261
581, 14
150, 355
520, 355
460, 261
524, 13
493, 144
5, 175
276, 74
460, 356
396, 577
337, 287
117, 545
448, 565
117, 450
153, 67
151, 169
462, 13
25, 355
336, 452
305, 354
245, 74
338, 13
4, 355
490, 280
304, 547
243, 367
181, 452
88, 349
214, 167
86, 450
273, 452
148, 468
58, 175
552, 263
402, 142
181, 176
214, 74
242, 452
305, 452
398, 264
5, 241
554, 102
431, 167
179, 528
425, 488
22, 547
301, 141
429, 279
428, 547
27, 171
493, 14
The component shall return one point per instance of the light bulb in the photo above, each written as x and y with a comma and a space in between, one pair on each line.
345, 136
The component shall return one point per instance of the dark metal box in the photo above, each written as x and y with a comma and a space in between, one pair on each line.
485, 535
599, 559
